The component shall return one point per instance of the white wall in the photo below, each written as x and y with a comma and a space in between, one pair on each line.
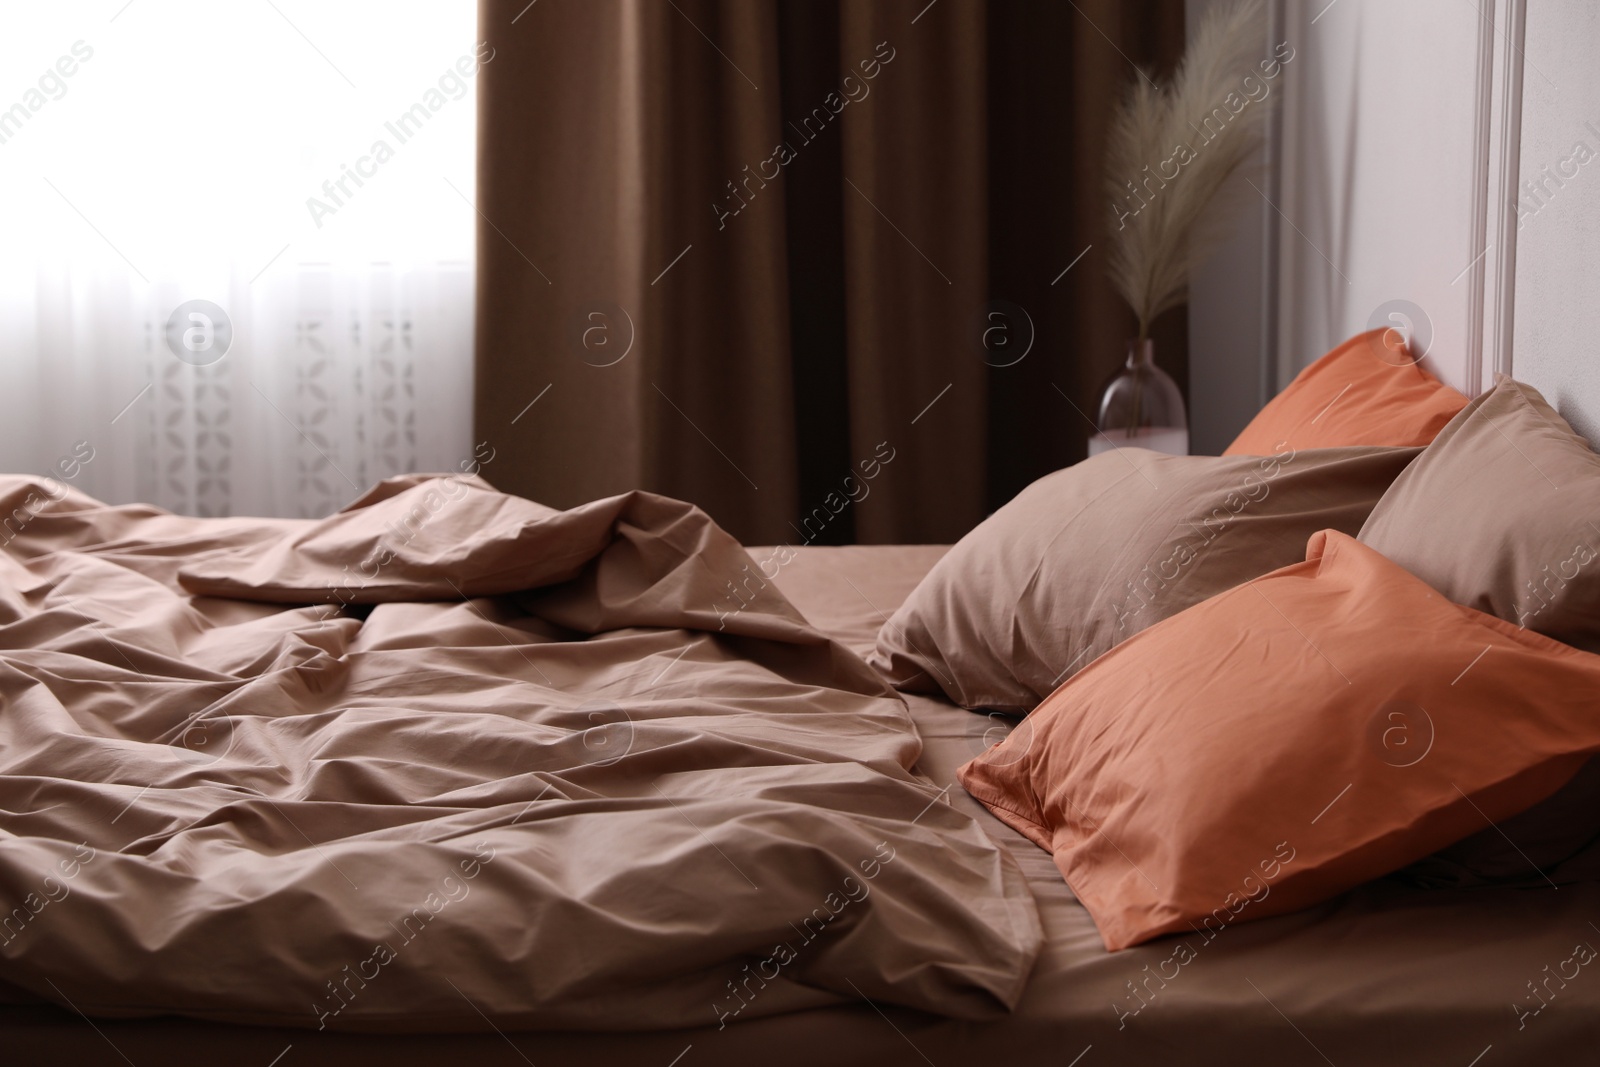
1439, 152
1376, 202
1382, 189
1556, 326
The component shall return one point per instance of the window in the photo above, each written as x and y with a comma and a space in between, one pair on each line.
237, 265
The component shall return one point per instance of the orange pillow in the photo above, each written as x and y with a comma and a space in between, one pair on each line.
1368, 391
1285, 741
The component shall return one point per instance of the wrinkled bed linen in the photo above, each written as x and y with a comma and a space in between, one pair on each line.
1388, 975
450, 759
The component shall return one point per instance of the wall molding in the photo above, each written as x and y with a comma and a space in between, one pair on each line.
1482, 230
1507, 21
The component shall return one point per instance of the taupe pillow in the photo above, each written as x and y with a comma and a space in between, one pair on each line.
1090, 555
1502, 513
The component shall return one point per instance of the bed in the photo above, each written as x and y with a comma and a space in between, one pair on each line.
1385, 974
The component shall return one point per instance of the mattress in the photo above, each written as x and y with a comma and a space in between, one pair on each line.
1385, 974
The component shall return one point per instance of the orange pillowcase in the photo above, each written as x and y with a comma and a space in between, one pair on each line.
1285, 741
1368, 391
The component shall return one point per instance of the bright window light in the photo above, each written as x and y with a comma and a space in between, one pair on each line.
173, 135
237, 259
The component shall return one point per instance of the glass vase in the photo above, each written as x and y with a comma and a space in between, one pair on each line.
1141, 407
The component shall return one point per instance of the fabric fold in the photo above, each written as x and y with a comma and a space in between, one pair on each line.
449, 759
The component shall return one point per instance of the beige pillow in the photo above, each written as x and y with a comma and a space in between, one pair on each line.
1502, 513
1092, 554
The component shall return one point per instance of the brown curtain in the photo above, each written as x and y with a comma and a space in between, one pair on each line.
779, 257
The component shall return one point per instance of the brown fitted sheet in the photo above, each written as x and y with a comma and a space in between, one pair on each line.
1386, 974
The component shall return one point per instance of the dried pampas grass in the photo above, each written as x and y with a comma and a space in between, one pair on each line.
1204, 126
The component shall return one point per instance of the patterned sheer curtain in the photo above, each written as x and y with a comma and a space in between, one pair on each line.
236, 275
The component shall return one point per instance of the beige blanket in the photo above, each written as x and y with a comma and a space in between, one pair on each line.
450, 759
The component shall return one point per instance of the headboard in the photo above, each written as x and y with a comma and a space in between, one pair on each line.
1437, 164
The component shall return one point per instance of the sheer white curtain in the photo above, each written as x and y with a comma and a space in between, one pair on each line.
306, 168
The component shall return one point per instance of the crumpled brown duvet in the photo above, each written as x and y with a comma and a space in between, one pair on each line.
451, 759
